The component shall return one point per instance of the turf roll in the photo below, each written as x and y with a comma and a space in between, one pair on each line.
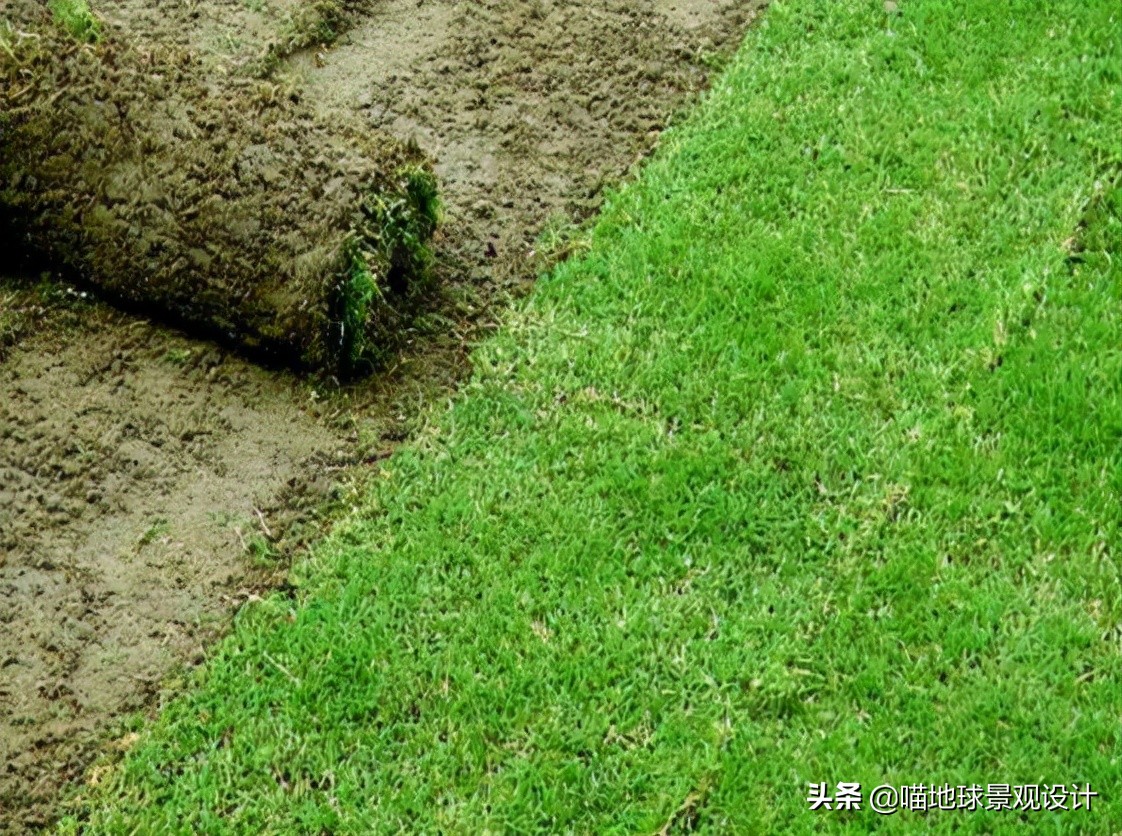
221, 204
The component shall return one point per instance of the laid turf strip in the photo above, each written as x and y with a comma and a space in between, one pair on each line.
218, 203
808, 471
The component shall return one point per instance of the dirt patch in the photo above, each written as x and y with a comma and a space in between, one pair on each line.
150, 483
529, 108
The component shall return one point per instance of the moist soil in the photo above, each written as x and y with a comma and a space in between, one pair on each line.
151, 483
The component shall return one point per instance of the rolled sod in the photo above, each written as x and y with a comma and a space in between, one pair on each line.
222, 204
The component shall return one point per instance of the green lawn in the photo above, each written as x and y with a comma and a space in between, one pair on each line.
808, 470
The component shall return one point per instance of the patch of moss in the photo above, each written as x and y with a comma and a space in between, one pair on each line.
77, 18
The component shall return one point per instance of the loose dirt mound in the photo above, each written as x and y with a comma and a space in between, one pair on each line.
134, 462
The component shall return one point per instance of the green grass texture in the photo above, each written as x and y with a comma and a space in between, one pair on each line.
808, 469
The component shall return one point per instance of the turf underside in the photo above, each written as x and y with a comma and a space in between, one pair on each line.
808, 470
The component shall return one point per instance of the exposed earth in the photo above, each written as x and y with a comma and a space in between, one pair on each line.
150, 483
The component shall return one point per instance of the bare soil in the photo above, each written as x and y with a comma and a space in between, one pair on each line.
151, 483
